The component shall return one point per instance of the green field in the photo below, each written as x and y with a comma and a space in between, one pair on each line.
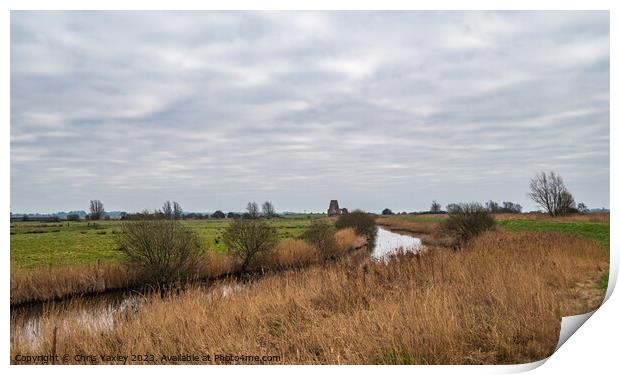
597, 231
35, 244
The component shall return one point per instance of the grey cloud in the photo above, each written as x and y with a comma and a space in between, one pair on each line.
375, 109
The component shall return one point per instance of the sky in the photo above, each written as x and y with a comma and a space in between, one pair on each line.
375, 109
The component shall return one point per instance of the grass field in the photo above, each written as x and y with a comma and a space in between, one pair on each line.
594, 227
36, 244
499, 301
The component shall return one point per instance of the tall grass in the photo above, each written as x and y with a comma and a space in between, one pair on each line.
42, 284
500, 301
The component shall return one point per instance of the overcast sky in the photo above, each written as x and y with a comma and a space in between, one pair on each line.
391, 109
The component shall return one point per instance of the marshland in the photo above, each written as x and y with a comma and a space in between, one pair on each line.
397, 289
414, 158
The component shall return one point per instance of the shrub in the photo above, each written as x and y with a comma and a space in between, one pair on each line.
361, 222
321, 234
465, 221
73, 217
163, 250
247, 238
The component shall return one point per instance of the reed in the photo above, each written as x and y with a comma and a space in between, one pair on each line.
498, 301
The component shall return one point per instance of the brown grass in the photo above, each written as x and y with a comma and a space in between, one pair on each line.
588, 218
500, 300
43, 284
346, 239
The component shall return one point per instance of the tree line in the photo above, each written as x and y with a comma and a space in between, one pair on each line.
173, 210
547, 190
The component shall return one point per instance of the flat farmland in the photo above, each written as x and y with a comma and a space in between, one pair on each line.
36, 244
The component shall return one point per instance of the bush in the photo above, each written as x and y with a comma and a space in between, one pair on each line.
466, 221
218, 215
361, 222
247, 238
163, 250
73, 217
322, 235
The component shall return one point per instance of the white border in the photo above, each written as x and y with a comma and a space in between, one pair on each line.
593, 346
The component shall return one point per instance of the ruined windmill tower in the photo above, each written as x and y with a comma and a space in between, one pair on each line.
333, 209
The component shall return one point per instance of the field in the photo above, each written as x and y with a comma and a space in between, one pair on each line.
499, 299
36, 244
595, 226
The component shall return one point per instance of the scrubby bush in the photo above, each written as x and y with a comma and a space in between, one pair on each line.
361, 222
465, 221
163, 250
73, 217
246, 238
321, 233
218, 215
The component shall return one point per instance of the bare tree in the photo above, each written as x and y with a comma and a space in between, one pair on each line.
492, 206
162, 250
581, 207
246, 238
435, 207
550, 193
268, 209
167, 209
96, 210
177, 211
252, 209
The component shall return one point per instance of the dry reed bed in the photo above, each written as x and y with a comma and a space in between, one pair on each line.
48, 283
499, 300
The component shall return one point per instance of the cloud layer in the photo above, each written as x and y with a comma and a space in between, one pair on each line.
381, 109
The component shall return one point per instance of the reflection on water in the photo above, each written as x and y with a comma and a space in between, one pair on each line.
388, 243
102, 312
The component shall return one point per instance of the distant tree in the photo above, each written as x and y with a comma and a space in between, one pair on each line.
550, 193
218, 215
252, 209
582, 208
268, 209
247, 238
177, 211
123, 215
96, 210
25, 217
232, 215
166, 209
73, 217
435, 207
492, 206
452, 207
387, 211
106, 217
509, 207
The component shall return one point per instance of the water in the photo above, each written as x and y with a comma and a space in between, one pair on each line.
389, 243
100, 313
